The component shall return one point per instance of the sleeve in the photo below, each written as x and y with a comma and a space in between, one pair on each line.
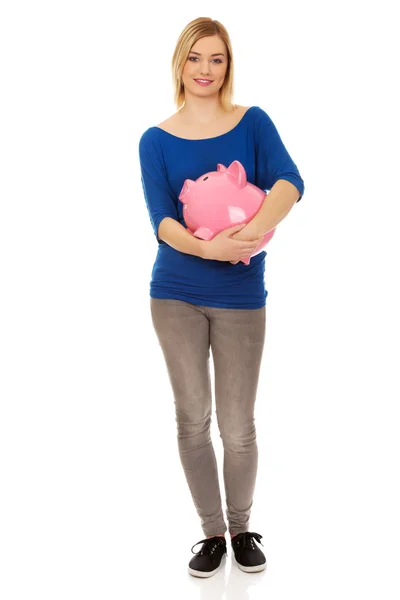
159, 197
273, 161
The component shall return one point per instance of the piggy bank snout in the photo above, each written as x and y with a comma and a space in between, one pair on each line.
187, 186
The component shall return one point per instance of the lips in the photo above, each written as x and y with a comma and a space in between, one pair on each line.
203, 83
204, 80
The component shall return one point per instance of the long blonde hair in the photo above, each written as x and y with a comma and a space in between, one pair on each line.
195, 30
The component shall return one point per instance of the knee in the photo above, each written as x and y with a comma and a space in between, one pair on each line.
193, 433
239, 439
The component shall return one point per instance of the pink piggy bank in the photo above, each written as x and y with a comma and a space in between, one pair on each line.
221, 199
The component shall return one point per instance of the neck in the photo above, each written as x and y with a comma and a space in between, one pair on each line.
202, 110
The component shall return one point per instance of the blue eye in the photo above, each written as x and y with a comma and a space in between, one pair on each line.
195, 57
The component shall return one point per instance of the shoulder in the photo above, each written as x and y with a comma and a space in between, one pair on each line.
168, 122
256, 116
148, 140
151, 137
261, 120
258, 113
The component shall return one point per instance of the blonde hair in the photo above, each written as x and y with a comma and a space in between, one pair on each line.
195, 30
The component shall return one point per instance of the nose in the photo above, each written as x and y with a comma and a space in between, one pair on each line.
205, 70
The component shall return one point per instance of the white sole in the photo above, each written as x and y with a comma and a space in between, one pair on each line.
209, 573
254, 569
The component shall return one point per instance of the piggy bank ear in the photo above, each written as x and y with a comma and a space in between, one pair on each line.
236, 170
221, 168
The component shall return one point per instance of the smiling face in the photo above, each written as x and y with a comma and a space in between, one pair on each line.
207, 59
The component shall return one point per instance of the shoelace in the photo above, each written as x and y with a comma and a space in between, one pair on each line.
210, 545
245, 539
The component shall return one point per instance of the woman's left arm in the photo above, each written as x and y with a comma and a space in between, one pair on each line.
275, 171
275, 207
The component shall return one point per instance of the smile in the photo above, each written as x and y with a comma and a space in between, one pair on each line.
203, 81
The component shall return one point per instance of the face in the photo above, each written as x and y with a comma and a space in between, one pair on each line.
207, 59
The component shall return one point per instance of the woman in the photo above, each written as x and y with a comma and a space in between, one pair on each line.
201, 296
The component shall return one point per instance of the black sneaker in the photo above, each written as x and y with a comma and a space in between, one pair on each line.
248, 556
207, 561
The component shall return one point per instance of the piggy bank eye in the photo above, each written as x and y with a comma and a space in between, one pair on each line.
205, 178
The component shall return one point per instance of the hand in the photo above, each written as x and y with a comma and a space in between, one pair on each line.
244, 234
223, 247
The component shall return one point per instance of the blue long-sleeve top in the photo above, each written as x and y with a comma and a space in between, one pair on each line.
166, 161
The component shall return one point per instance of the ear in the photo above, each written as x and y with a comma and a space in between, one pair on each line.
221, 168
236, 169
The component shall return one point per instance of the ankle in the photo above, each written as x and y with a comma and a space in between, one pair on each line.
211, 536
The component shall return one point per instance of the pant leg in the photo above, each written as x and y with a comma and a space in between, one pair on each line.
237, 341
183, 333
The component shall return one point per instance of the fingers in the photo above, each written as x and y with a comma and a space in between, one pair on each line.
247, 248
250, 248
252, 243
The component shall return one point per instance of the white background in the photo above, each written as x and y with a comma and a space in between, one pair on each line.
93, 499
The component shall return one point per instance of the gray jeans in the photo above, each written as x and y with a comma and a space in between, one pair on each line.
185, 332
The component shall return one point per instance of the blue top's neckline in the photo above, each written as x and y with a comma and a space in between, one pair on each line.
205, 139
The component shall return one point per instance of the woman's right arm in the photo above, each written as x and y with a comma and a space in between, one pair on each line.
221, 247
177, 236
